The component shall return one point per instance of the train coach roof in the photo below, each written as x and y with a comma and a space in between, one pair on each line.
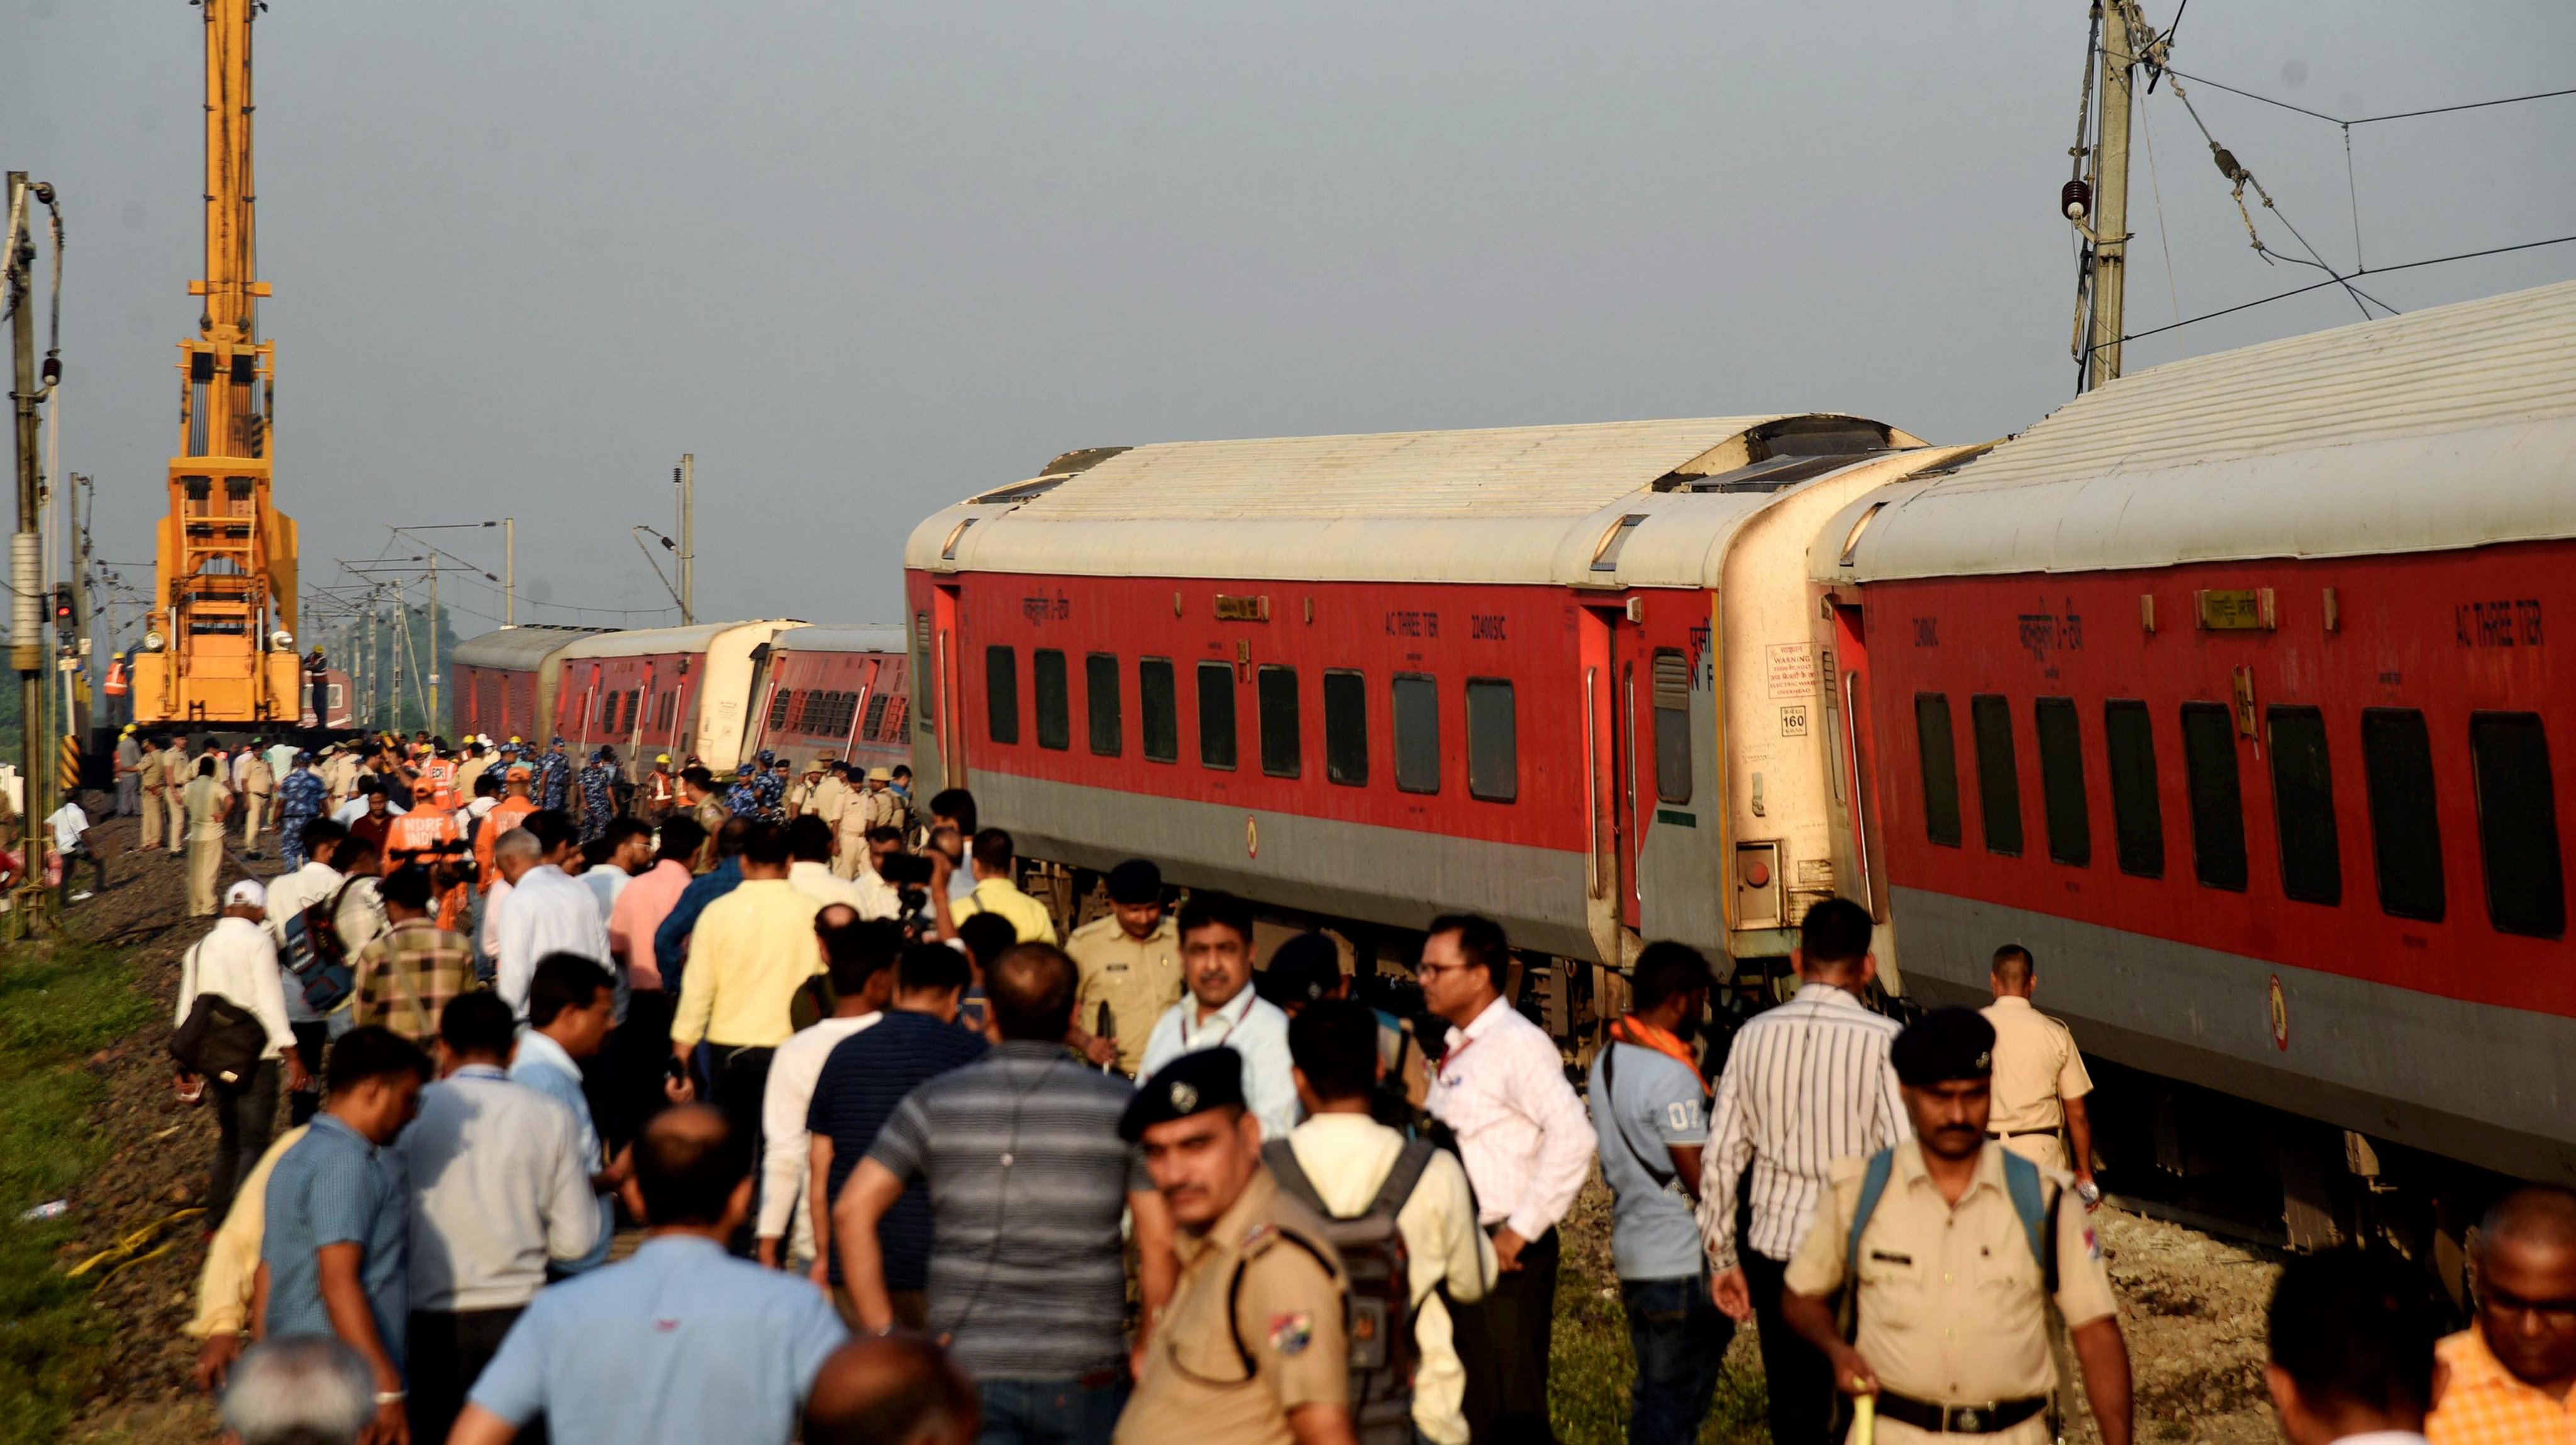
657, 641
841, 637
518, 649
2445, 428
1518, 504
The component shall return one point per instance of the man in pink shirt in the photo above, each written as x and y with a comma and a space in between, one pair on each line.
643, 1042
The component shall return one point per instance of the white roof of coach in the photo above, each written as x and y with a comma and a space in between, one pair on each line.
1515, 504
518, 649
2446, 428
657, 640
841, 637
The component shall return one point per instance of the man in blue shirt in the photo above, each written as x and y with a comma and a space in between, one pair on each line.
680, 1343
867, 1075
671, 939
570, 1013
1650, 1107
332, 1258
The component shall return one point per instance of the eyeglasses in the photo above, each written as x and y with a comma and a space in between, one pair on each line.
2558, 1314
1435, 970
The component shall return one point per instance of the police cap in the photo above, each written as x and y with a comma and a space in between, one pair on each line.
1945, 1044
1135, 883
1191, 1084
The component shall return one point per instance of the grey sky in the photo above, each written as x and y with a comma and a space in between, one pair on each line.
863, 259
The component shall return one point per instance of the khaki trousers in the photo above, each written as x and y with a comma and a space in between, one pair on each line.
205, 865
254, 812
172, 800
2044, 1150
155, 820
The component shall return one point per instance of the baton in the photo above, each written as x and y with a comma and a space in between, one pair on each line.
1864, 1429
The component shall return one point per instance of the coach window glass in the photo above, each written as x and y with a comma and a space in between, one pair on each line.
2518, 824
1216, 715
2217, 799
2405, 828
1937, 753
1998, 773
1275, 695
2137, 814
1417, 733
2303, 806
1100, 700
1493, 741
2061, 781
1346, 728
1002, 694
1158, 702
1672, 725
1055, 702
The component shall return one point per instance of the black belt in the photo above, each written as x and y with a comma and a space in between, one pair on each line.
2019, 1133
1984, 1419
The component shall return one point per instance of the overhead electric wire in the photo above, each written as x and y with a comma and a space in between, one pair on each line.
2372, 271
2367, 119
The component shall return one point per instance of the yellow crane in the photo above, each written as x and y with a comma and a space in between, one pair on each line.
220, 646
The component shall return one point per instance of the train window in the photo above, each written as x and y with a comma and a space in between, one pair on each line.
2303, 805
1346, 728
1493, 741
1216, 715
1158, 700
1998, 773
921, 649
2137, 815
2405, 833
2217, 802
2061, 781
1939, 753
1002, 694
778, 702
1055, 700
1417, 733
2518, 824
1275, 690
1100, 697
876, 714
1672, 725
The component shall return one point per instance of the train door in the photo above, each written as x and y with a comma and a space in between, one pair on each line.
1852, 768
945, 676
1608, 664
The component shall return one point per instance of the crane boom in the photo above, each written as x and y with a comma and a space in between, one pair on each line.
220, 650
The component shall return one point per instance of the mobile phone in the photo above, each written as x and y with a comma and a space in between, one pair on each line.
675, 1070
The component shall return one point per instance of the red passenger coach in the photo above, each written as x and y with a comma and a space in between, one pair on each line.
678, 690
2229, 690
501, 683
1370, 679
835, 689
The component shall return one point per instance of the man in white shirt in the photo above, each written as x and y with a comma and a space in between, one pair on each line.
69, 823
498, 1187
1222, 1008
1527, 1144
620, 852
1342, 1158
236, 961
547, 910
568, 1021
289, 895
809, 865
1805, 1083
860, 956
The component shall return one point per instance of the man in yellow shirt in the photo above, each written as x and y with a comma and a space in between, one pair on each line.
994, 893
751, 950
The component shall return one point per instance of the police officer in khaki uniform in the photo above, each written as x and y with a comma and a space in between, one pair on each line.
1130, 962
1251, 1350
258, 786
1952, 1307
207, 804
153, 775
177, 771
2040, 1082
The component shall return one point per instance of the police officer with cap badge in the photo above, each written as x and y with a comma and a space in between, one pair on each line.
1251, 1350
1130, 963
1959, 1248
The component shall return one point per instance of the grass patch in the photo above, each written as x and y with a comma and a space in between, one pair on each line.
1590, 1367
59, 1003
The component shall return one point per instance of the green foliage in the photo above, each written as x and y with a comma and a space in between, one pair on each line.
1591, 1369
58, 1005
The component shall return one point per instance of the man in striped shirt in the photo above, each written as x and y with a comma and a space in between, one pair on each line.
1806, 1083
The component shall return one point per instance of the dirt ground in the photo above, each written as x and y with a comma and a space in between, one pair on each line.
2191, 1305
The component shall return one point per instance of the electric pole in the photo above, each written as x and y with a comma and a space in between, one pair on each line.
27, 646
2106, 228
686, 475
509, 571
432, 673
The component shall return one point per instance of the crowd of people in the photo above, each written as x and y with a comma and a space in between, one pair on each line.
894, 1163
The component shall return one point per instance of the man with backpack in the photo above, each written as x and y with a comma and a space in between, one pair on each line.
294, 926
1650, 1107
1400, 1214
1955, 1248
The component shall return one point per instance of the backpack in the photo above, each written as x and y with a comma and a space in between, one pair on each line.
314, 953
221, 1040
2022, 1183
1378, 1303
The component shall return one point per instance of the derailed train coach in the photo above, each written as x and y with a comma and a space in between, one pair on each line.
1558, 675
2228, 689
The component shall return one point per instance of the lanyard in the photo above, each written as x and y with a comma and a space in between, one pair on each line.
1450, 1059
1193, 1045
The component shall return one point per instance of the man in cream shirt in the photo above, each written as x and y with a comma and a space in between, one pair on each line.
2040, 1082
